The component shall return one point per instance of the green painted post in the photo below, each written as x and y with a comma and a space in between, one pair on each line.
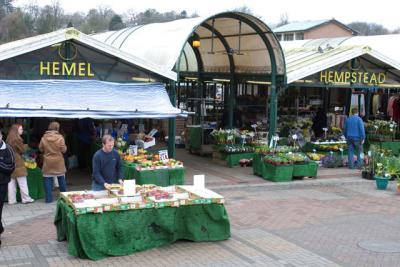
367, 104
273, 106
172, 122
230, 104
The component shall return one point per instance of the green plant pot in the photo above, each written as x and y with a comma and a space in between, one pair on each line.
381, 182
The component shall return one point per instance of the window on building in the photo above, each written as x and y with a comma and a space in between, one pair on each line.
300, 36
289, 37
279, 37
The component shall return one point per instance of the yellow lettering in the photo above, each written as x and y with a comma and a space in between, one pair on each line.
330, 76
56, 68
347, 76
354, 77
81, 69
339, 77
360, 74
373, 78
366, 78
68, 70
43, 68
381, 77
90, 74
322, 76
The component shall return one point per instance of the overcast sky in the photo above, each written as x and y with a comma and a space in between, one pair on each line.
382, 12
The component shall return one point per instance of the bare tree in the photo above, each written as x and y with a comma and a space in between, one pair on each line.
365, 28
13, 27
284, 19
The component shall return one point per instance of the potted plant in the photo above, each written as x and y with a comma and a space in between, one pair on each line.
381, 177
393, 167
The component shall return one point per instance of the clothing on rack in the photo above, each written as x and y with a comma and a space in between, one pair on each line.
336, 120
396, 110
354, 103
390, 106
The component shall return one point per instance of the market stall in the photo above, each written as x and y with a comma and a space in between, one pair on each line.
233, 147
148, 168
281, 164
383, 134
101, 224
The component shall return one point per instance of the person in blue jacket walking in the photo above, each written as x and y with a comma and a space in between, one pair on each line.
355, 135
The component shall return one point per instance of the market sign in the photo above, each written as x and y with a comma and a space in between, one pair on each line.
352, 77
55, 68
66, 67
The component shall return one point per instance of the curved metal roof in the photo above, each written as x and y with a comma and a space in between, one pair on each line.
306, 57
163, 43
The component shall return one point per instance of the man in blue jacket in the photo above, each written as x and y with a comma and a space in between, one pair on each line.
107, 165
355, 135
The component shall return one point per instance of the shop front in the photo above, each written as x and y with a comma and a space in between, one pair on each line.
326, 79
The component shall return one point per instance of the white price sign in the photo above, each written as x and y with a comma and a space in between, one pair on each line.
163, 154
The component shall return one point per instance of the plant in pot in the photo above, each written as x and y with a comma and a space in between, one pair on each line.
393, 167
381, 176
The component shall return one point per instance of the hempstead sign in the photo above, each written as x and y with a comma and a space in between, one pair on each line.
355, 77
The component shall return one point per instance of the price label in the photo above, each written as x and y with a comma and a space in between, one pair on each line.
133, 150
163, 154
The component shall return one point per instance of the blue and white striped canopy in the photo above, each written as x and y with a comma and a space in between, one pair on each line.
84, 99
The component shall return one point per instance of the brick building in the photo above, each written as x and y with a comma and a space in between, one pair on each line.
329, 28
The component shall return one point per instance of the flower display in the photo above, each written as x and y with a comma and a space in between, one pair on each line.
381, 130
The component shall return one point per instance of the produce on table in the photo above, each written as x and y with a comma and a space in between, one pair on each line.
80, 198
30, 163
315, 156
159, 194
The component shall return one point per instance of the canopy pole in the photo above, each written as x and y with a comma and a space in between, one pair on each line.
367, 104
230, 102
273, 106
172, 121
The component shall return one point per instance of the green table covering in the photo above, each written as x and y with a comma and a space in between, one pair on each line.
35, 184
161, 177
232, 159
118, 233
277, 173
195, 137
308, 169
258, 164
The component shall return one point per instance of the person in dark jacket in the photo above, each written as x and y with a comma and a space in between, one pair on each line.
7, 166
320, 121
107, 165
